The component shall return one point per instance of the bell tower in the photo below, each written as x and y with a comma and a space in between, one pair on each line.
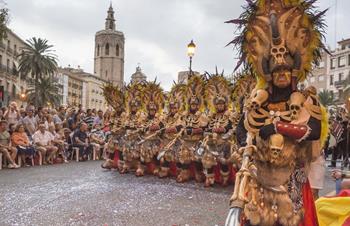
109, 51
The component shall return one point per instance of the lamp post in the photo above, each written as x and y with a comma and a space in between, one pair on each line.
190, 52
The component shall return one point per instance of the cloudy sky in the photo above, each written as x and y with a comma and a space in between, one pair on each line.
157, 31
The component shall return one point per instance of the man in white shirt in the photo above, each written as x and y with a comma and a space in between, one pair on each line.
43, 143
29, 122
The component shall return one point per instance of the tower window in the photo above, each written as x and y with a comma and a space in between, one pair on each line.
98, 50
107, 49
117, 50
106, 74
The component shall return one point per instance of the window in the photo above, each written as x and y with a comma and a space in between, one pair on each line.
333, 63
321, 78
8, 65
106, 74
15, 48
13, 90
8, 43
117, 50
341, 77
98, 50
341, 61
331, 80
107, 49
0, 60
349, 59
321, 64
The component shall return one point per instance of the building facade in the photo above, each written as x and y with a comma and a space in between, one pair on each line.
333, 70
182, 76
14, 84
109, 52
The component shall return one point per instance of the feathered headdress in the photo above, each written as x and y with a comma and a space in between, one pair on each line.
153, 96
243, 85
195, 91
134, 95
218, 89
114, 96
279, 34
177, 96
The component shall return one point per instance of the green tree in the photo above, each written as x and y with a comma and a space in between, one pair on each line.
326, 98
38, 60
345, 89
47, 89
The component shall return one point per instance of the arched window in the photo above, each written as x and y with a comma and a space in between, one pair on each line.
117, 50
98, 50
107, 49
106, 74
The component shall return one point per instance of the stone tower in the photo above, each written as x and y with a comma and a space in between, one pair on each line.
109, 52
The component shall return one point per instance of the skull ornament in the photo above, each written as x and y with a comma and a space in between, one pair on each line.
258, 99
276, 145
297, 100
278, 53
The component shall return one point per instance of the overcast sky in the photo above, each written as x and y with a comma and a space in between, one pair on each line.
157, 31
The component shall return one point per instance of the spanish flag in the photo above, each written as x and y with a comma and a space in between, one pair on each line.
334, 211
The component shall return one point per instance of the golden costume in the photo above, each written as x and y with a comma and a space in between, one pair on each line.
281, 126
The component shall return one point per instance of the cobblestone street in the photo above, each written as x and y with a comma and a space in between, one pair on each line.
84, 194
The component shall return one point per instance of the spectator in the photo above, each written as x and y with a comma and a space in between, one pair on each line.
97, 140
12, 128
21, 141
89, 119
58, 141
99, 120
43, 143
6, 148
49, 122
338, 174
80, 140
56, 119
30, 123
12, 115
1, 115
62, 113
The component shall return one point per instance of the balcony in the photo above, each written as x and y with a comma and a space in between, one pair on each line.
2, 46
9, 50
339, 84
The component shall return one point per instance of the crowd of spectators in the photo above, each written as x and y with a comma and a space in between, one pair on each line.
30, 135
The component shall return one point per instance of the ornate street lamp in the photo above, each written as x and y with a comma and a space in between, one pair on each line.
191, 47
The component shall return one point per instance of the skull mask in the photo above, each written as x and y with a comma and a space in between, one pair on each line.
278, 53
297, 100
276, 145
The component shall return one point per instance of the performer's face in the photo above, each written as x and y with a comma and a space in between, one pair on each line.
133, 108
194, 107
282, 79
152, 112
220, 107
173, 110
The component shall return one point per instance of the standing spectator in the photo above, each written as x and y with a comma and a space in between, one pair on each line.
43, 143
62, 113
80, 140
31, 107
12, 115
97, 140
98, 122
30, 123
21, 141
56, 119
89, 119
1, 115
6, 149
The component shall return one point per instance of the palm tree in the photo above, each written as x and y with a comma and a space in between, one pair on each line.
47, 89
326, 98
37, 59
4, 17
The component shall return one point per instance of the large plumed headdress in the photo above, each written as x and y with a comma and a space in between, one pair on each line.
177, 96
114, 96
134, 95
153, 97
195, 91
218, 89
279, 34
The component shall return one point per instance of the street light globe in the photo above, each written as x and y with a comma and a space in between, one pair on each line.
191, 48
23, 95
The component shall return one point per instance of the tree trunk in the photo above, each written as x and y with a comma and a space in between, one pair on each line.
36, 91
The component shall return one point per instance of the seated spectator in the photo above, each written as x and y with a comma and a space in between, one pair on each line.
21, 141
6, 148
49, 121
43, 143
12, 128
99, 119
58, 141
81, 141
97, 140
89, 118
30, 122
